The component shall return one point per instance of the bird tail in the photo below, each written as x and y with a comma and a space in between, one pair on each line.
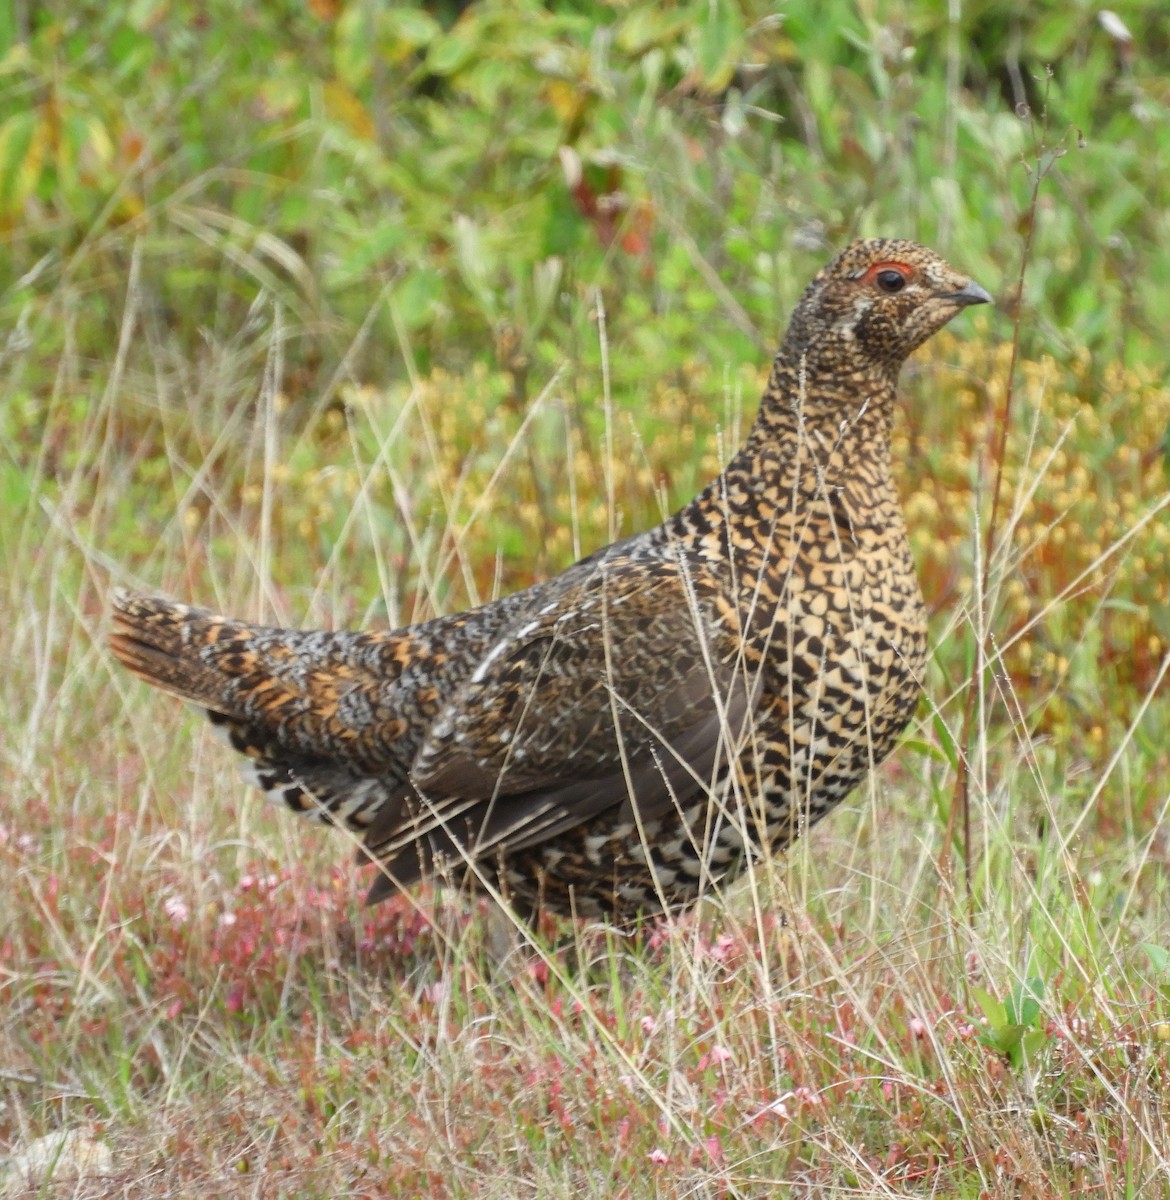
296, 705
162, 642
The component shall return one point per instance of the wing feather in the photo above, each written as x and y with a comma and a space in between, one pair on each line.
554, 727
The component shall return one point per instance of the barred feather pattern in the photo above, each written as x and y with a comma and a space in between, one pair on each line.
616, 739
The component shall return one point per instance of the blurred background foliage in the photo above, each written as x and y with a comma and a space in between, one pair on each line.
392, 232
468, 172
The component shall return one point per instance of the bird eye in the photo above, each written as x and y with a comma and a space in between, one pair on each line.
891, 281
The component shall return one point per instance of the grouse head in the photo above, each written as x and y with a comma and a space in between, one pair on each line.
872, 306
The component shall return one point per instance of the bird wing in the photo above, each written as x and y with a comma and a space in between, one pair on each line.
622, 693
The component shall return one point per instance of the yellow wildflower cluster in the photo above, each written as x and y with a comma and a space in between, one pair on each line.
1082, 533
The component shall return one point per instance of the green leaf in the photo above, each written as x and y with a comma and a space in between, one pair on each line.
1031, 1044
475, 264
450, 54
1008, 1038
923, 748
370, 252
21, 154
1159, 957
718, 41
410, 26
563, 226
644, 28
1022, 1005
353, 49
992, 1009
416, 297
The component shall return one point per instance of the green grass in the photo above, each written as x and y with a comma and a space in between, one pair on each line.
366, 356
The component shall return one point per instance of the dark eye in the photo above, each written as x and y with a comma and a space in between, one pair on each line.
891, 281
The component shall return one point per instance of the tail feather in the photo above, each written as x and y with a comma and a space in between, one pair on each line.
291, 703
160, 642
317, 694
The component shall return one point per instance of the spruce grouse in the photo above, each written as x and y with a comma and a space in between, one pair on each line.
614, 740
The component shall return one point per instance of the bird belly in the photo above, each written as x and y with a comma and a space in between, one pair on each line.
838, 692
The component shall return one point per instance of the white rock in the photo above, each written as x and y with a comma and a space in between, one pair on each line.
67, 1154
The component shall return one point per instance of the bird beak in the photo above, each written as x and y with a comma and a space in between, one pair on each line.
969, 293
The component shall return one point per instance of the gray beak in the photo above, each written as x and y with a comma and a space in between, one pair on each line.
969, 293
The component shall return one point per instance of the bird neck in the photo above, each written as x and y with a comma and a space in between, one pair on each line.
827, 410
817, 429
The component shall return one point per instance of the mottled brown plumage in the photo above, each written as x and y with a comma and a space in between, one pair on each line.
613, 740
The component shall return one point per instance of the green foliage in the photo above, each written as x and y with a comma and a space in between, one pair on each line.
1159, 958
1015, 1024
351, 157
